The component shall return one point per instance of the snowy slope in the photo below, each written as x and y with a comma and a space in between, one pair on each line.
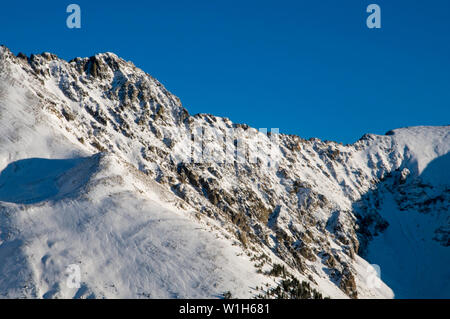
127, 241
139, 208
412, 263
60, 205
413, 257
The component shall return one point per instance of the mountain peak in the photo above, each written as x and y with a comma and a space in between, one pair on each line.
311, 208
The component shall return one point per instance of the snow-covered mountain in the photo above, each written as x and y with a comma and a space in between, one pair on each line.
102, 169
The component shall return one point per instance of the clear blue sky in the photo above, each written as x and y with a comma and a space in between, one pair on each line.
308, 67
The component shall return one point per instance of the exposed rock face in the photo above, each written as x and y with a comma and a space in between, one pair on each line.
312, 205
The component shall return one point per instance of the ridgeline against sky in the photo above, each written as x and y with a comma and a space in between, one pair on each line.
310, 68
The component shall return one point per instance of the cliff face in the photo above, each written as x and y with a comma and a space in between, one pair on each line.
307, 209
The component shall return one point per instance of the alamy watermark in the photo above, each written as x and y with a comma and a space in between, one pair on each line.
74, 19
373, 276
207, 144
374, 19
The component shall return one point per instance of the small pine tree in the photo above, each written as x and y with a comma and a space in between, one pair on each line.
227, 295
